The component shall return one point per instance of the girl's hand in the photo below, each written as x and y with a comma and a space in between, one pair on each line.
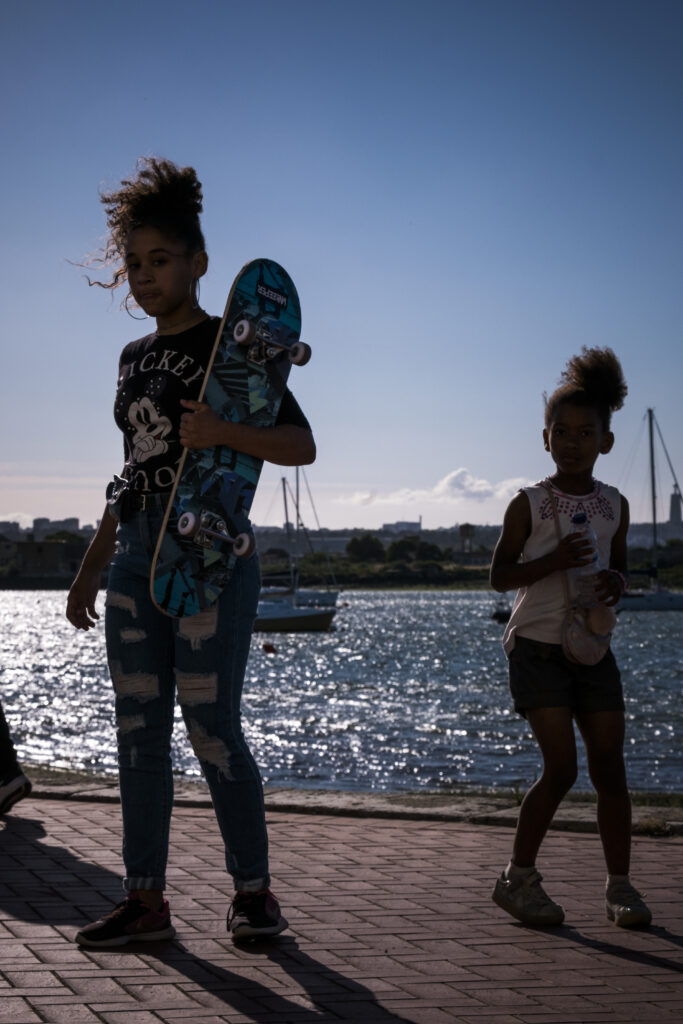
201, 427
608, 587
572, 551
80, 604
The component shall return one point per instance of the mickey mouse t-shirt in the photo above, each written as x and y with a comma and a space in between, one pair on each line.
155, 372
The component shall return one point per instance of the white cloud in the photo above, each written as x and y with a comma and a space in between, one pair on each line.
457, 487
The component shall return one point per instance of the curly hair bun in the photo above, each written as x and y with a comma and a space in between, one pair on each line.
161, 195
598, 373
592, 378
161, 191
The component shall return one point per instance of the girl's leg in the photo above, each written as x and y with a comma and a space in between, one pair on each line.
211, 657
140, 651
554, 731
603, 734
518, 890
140, 654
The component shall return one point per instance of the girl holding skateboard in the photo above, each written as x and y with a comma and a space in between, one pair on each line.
549, 690
156, 246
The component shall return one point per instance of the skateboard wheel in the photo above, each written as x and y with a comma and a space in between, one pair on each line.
187, 524
300, 353
244, 332
244, 544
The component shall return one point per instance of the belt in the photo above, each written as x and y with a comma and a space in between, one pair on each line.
140, 501
124, 502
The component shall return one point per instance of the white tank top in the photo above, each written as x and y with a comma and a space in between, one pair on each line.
539, 609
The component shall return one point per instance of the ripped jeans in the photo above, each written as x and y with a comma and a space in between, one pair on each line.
205, 658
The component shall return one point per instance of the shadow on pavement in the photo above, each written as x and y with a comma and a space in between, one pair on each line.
636, 956
321, 985
607, 948
45, 882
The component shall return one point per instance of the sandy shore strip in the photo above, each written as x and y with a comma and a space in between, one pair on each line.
653, 814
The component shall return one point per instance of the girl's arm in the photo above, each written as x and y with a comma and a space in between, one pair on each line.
508, 573
284, 444
80, 604
611, 583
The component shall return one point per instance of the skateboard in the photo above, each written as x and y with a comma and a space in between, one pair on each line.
206, 526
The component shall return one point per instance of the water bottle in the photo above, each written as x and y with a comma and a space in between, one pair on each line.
584, 575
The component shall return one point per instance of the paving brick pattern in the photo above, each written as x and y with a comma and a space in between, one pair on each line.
390, 921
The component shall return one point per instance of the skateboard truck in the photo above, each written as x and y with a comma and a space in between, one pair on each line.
265, 341
208, 526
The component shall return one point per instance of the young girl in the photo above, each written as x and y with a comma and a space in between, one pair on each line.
155, 244
550, 691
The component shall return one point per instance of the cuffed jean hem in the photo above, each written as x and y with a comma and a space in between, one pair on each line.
253, 885
152, 882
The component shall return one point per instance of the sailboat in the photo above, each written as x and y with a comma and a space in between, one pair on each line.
281, 615
502, 609
292, 608
653, 598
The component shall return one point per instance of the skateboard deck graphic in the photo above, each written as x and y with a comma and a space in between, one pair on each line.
206, 526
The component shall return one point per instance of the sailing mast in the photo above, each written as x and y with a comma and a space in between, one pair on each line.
298, 517
288, 527
650, 421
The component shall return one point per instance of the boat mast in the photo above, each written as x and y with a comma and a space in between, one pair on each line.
650, 419
288, 526
298, 516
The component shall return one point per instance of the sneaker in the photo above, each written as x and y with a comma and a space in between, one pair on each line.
526, 899
253, 914
129, 921
626, 907
13, 790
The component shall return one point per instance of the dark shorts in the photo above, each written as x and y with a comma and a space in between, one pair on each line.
541, 677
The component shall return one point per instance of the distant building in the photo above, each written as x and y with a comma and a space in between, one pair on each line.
8, 551
275, 538
43, 527
467, 532
11, 531
402, 529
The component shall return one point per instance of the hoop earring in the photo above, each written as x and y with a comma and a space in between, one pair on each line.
194, 293
132, 315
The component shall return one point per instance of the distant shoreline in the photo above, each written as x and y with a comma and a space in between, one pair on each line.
457, 585
36, 583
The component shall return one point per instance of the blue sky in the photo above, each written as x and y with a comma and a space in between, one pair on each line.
464, 194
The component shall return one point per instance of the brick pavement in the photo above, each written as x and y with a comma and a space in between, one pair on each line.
390, 920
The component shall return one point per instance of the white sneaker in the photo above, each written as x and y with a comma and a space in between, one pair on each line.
526, 899
626, 907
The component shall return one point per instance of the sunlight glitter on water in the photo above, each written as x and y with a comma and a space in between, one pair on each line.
410, 692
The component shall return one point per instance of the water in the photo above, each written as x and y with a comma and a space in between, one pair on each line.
409, 693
